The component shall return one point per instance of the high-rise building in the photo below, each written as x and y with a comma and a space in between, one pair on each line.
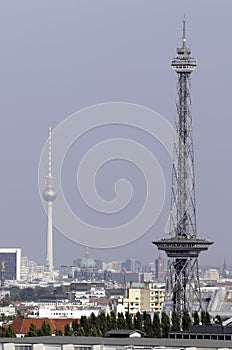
159, 269
133, 265
10, 258
49, 195
183, 247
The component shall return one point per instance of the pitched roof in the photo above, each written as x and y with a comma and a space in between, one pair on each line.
22, 325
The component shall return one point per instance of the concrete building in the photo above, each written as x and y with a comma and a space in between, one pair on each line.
138, 300
64, 313
11, 257
146, 297
156, 297
159, 269
30, 270
211, 274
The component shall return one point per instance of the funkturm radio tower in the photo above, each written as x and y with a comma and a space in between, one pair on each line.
49, 195
183, 246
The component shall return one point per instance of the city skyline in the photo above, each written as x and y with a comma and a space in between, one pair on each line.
51, 70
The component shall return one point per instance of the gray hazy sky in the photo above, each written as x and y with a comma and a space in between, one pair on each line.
60, 56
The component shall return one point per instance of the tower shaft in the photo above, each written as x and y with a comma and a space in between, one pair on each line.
183, 247
49, 259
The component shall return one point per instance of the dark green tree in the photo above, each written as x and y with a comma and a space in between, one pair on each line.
186, 321
175, 321
2, 332
165, 325
93, 319
3, 317
156, 326
147, 325
104, 324
10, 332
207, 318
107, 323
45, 329
203, 317
218, 319
81, 332
129, 321
196, 318
75, 327
33, 332
5, 301
85, 324
58, 332
94, 332
68, 332
113, 320
138, 321
121, 322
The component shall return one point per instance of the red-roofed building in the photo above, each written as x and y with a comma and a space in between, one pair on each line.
21, 325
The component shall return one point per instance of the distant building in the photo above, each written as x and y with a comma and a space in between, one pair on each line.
211, 274
12, 261
67, 272
133, 265
159, 269
224, 270
77, 262
64, 313
30, 270
84, 292
132, 277
86, 268
118, 277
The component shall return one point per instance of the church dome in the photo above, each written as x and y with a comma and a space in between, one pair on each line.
87, 261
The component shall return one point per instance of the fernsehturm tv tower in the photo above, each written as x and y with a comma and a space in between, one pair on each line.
49, 195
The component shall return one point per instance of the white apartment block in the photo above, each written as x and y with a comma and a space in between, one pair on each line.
150, 298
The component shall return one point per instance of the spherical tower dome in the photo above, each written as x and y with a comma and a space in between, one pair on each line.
49, 194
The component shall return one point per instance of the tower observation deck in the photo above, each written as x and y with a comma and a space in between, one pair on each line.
183, 247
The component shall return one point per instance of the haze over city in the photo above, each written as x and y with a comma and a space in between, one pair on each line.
60, 57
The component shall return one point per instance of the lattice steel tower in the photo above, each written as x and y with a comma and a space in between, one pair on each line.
183, 247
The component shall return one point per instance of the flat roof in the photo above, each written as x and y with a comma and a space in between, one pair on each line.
146, 342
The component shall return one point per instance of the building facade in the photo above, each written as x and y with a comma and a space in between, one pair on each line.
10, 258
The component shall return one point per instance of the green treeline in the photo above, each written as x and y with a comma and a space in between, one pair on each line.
152, 327
26, 294
7, 332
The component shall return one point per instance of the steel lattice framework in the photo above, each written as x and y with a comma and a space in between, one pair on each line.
183, 247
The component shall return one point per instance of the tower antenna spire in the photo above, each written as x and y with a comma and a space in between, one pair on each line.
184, 32
50, 151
